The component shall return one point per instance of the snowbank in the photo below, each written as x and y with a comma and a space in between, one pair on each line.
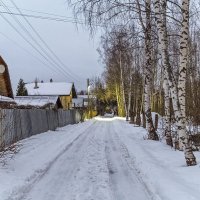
36, 155
162, 168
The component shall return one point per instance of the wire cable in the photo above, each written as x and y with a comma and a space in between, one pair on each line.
44, 53
49, 66
45, 44
27, 51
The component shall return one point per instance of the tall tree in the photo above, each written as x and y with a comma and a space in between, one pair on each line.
147, 31
178, 94
169, 81
183, 136
21, 89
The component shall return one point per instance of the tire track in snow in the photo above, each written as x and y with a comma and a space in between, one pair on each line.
130, 162
21, 192
124, 179
77, 174
93, 179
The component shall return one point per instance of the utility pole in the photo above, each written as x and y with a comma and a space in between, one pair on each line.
88, 108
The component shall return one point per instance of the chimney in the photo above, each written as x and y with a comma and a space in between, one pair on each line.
36, 84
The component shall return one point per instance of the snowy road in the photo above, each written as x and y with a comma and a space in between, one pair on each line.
92, 163
101, 159
124, 179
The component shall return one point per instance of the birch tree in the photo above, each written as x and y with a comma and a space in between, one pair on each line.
177, 97
183, 136
146, 26
118, 58
169, 80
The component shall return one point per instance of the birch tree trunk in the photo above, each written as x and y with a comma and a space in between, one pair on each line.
122, 85
148, 74
138, 109
169, 81
130, 93
167, 113
183, 136
119, 100
178, 99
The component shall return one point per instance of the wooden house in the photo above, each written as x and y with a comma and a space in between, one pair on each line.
65, 91
5, 83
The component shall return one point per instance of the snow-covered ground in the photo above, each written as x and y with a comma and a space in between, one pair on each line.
101, 159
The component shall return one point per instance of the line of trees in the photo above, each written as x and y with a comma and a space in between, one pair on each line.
151, 52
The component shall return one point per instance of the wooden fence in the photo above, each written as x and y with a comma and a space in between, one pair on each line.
17, 124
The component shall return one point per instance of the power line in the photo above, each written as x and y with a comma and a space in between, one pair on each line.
34, 11
26, 40
27, 51
45, 13
70, 73
48, 59
49, 66
70, 20
61, 19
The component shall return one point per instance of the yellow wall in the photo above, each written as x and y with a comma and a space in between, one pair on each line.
66, 101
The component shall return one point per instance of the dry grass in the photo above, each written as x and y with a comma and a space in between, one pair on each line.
9, 152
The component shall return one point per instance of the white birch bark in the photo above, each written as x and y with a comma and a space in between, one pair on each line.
178, 98
169, 81
148, 73
167, 113
183, 136
130, 93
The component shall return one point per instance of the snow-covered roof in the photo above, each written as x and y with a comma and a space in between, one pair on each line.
85, 96
6, 99
36, 100
50, 88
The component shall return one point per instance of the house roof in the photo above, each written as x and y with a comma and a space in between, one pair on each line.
85, 96
52, 88
6, 99
36, 100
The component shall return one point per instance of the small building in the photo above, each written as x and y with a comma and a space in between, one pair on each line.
47, 102
5, 83
65, 91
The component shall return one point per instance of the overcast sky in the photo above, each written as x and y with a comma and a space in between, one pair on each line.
74, 47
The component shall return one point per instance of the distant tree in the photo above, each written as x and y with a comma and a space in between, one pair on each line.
21, 89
